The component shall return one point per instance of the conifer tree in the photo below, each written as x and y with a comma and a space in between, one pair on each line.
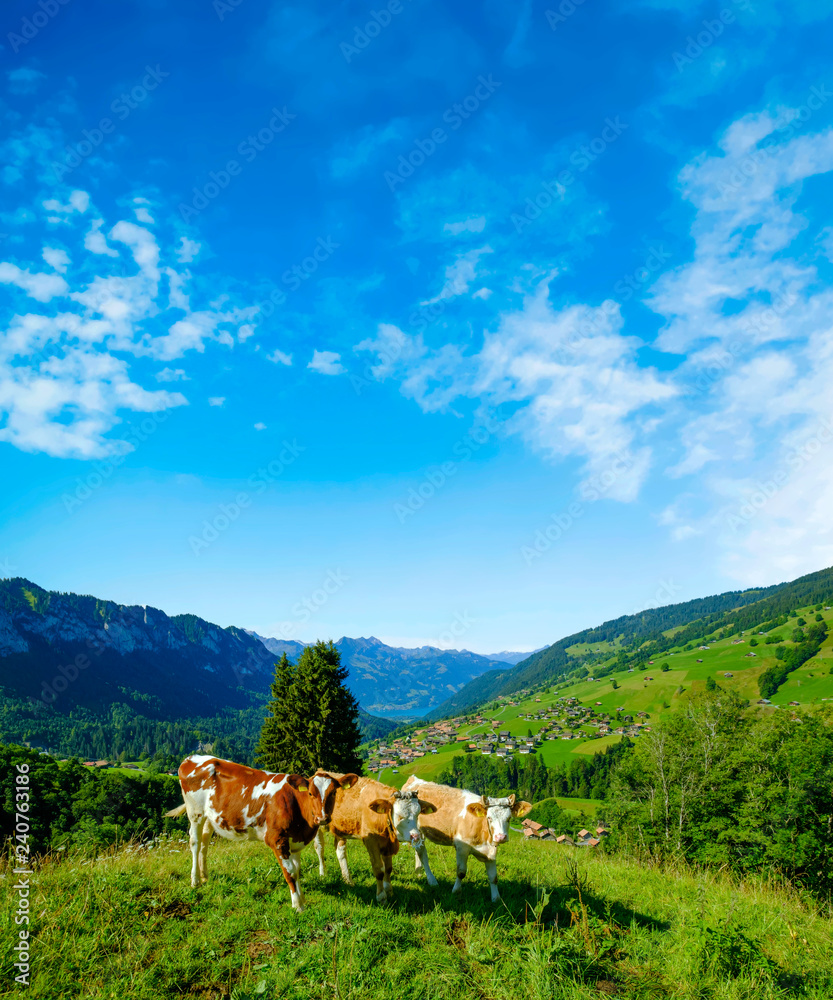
313, 717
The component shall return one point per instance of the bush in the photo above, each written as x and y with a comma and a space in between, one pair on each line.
549, 813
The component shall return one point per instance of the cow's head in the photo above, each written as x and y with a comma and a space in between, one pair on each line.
497, 813
403, 812
322, 788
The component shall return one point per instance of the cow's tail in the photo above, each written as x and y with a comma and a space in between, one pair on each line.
175, 812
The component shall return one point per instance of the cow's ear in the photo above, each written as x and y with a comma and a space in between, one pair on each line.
425, 807
477, 809
380, 806
521, 808
298, 782
348, 780
512, 799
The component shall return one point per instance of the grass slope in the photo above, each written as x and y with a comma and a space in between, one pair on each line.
547, 665
129, 925
665, 692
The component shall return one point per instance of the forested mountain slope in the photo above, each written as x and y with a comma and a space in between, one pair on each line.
635, 637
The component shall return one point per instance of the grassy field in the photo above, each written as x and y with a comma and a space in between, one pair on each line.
130, 926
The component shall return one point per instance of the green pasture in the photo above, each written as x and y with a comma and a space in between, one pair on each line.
571, 925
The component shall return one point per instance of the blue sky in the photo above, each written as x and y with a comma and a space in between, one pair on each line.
459, 325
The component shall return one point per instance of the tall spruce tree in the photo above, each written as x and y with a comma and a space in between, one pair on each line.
313, 718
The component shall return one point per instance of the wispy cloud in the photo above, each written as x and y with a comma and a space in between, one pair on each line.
326, 363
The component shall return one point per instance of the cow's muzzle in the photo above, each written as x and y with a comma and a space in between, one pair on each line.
500, 838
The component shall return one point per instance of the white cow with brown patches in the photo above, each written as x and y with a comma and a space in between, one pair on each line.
378, 815
472, 824
242, 803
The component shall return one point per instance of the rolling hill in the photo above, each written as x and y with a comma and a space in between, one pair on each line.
631, 636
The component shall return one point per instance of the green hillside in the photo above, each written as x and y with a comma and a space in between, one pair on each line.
649, 689
635, 639
570, 925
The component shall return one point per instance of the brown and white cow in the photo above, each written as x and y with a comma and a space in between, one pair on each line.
378, 815
470, 823
242, 803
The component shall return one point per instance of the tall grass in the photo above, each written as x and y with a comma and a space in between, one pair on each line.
571, 925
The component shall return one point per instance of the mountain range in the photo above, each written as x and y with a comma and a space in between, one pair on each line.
393, 681
80, 672
69, 649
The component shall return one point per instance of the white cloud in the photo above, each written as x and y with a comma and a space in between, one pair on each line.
216, 400
260, 427
476, 224
56, 258
752, 312
38, 285
569, 376
65, 353
326, 363
279, 357
24, 80
95, 242
460, 274
188, 250
143, 215
79, 201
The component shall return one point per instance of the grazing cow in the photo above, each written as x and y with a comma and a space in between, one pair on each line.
241, 803
470, 823
378, 815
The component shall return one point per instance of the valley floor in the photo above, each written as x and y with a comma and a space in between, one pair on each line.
129, 926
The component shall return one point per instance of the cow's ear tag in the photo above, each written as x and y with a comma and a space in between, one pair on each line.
302, 788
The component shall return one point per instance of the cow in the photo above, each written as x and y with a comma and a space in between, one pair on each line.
242, 803
470, 823
378, 815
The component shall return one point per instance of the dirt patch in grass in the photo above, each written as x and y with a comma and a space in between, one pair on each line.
455, 931
260, 946
176, 909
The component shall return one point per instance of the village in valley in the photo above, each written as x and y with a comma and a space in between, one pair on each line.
564, 719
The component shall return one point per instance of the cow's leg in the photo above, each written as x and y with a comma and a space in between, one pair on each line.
421, 855
289, 866
387, 858
491, 873
341, 854
378, 867
202, 857
296, 862
194, 834
319, 849
462, 865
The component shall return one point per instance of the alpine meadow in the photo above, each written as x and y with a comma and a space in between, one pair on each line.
416, 552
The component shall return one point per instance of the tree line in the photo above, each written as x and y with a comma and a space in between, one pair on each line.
529, 777
76, 806
722, 786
